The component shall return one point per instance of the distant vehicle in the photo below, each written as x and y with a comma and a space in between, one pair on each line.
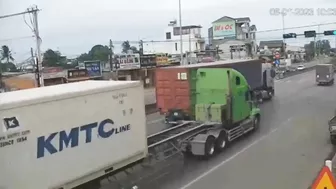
300, 67
325, 74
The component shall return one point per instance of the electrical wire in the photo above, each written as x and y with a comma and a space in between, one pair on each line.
263, 31
24, 19
17, 38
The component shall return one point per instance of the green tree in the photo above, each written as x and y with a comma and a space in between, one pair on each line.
125, 46
134, 49
6, 54
53, 58
8, 67
97, 52
310, 50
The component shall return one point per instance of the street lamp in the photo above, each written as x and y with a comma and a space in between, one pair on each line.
181, 42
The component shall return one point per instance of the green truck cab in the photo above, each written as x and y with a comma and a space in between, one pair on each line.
225, 91
225, 102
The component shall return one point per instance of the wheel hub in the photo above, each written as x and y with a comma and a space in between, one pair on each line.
212, 150
222, 145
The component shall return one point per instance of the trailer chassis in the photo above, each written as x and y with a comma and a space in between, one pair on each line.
170, 147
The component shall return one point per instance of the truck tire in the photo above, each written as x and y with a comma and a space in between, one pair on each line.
209, 148
221, 141
333, 140
256, 122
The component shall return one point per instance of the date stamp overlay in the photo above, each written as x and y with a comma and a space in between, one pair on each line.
302, 11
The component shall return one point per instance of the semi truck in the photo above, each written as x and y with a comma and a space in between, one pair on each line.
175, 86
324, 74
74, 135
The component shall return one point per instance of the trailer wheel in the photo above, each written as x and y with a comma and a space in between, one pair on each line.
209, 148
221, 141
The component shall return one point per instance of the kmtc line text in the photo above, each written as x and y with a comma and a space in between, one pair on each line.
71, 138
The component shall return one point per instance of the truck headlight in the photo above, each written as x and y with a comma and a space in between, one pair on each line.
327, 76
317, 76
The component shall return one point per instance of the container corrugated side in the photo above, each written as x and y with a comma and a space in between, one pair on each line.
172, 89
63, 128
251, 70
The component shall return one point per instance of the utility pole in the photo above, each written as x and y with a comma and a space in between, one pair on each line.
113, 62
38, 46
33, 11
141, 47
181, 42
34, 64
283, 25
111, 55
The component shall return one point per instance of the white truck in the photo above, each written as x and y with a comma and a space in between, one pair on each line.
65, 135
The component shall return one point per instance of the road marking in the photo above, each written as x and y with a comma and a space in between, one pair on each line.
233, 156
155, 121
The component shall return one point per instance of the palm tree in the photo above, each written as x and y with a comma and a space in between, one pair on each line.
6, 54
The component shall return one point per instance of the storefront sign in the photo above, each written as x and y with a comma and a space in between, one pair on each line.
127, 61
80, 73
162, 60
148, 61
94, 68
53, 72
224, 29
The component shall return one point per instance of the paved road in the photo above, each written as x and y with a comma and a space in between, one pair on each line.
287, 151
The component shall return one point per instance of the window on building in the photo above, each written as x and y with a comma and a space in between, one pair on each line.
196, 46
185, 31
175, 46
247, 36
168, 35
176, 31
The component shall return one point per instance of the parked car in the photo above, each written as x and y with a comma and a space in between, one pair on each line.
300, 67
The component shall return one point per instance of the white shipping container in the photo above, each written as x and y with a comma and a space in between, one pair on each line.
68, 134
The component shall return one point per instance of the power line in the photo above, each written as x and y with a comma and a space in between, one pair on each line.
16, 38
206, 37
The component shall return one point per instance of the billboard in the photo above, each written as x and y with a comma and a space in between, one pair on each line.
127, 61
148, 61
225, 29
94, 68
162, 60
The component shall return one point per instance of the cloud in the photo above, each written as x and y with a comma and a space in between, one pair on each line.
73, 26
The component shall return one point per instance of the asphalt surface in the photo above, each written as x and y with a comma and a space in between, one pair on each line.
287, 151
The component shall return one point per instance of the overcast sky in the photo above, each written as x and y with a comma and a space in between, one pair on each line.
74, 26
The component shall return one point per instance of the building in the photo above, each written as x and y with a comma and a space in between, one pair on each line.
272, 44
191, 37
235, 37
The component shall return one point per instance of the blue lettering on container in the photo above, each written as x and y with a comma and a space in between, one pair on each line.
70, 139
